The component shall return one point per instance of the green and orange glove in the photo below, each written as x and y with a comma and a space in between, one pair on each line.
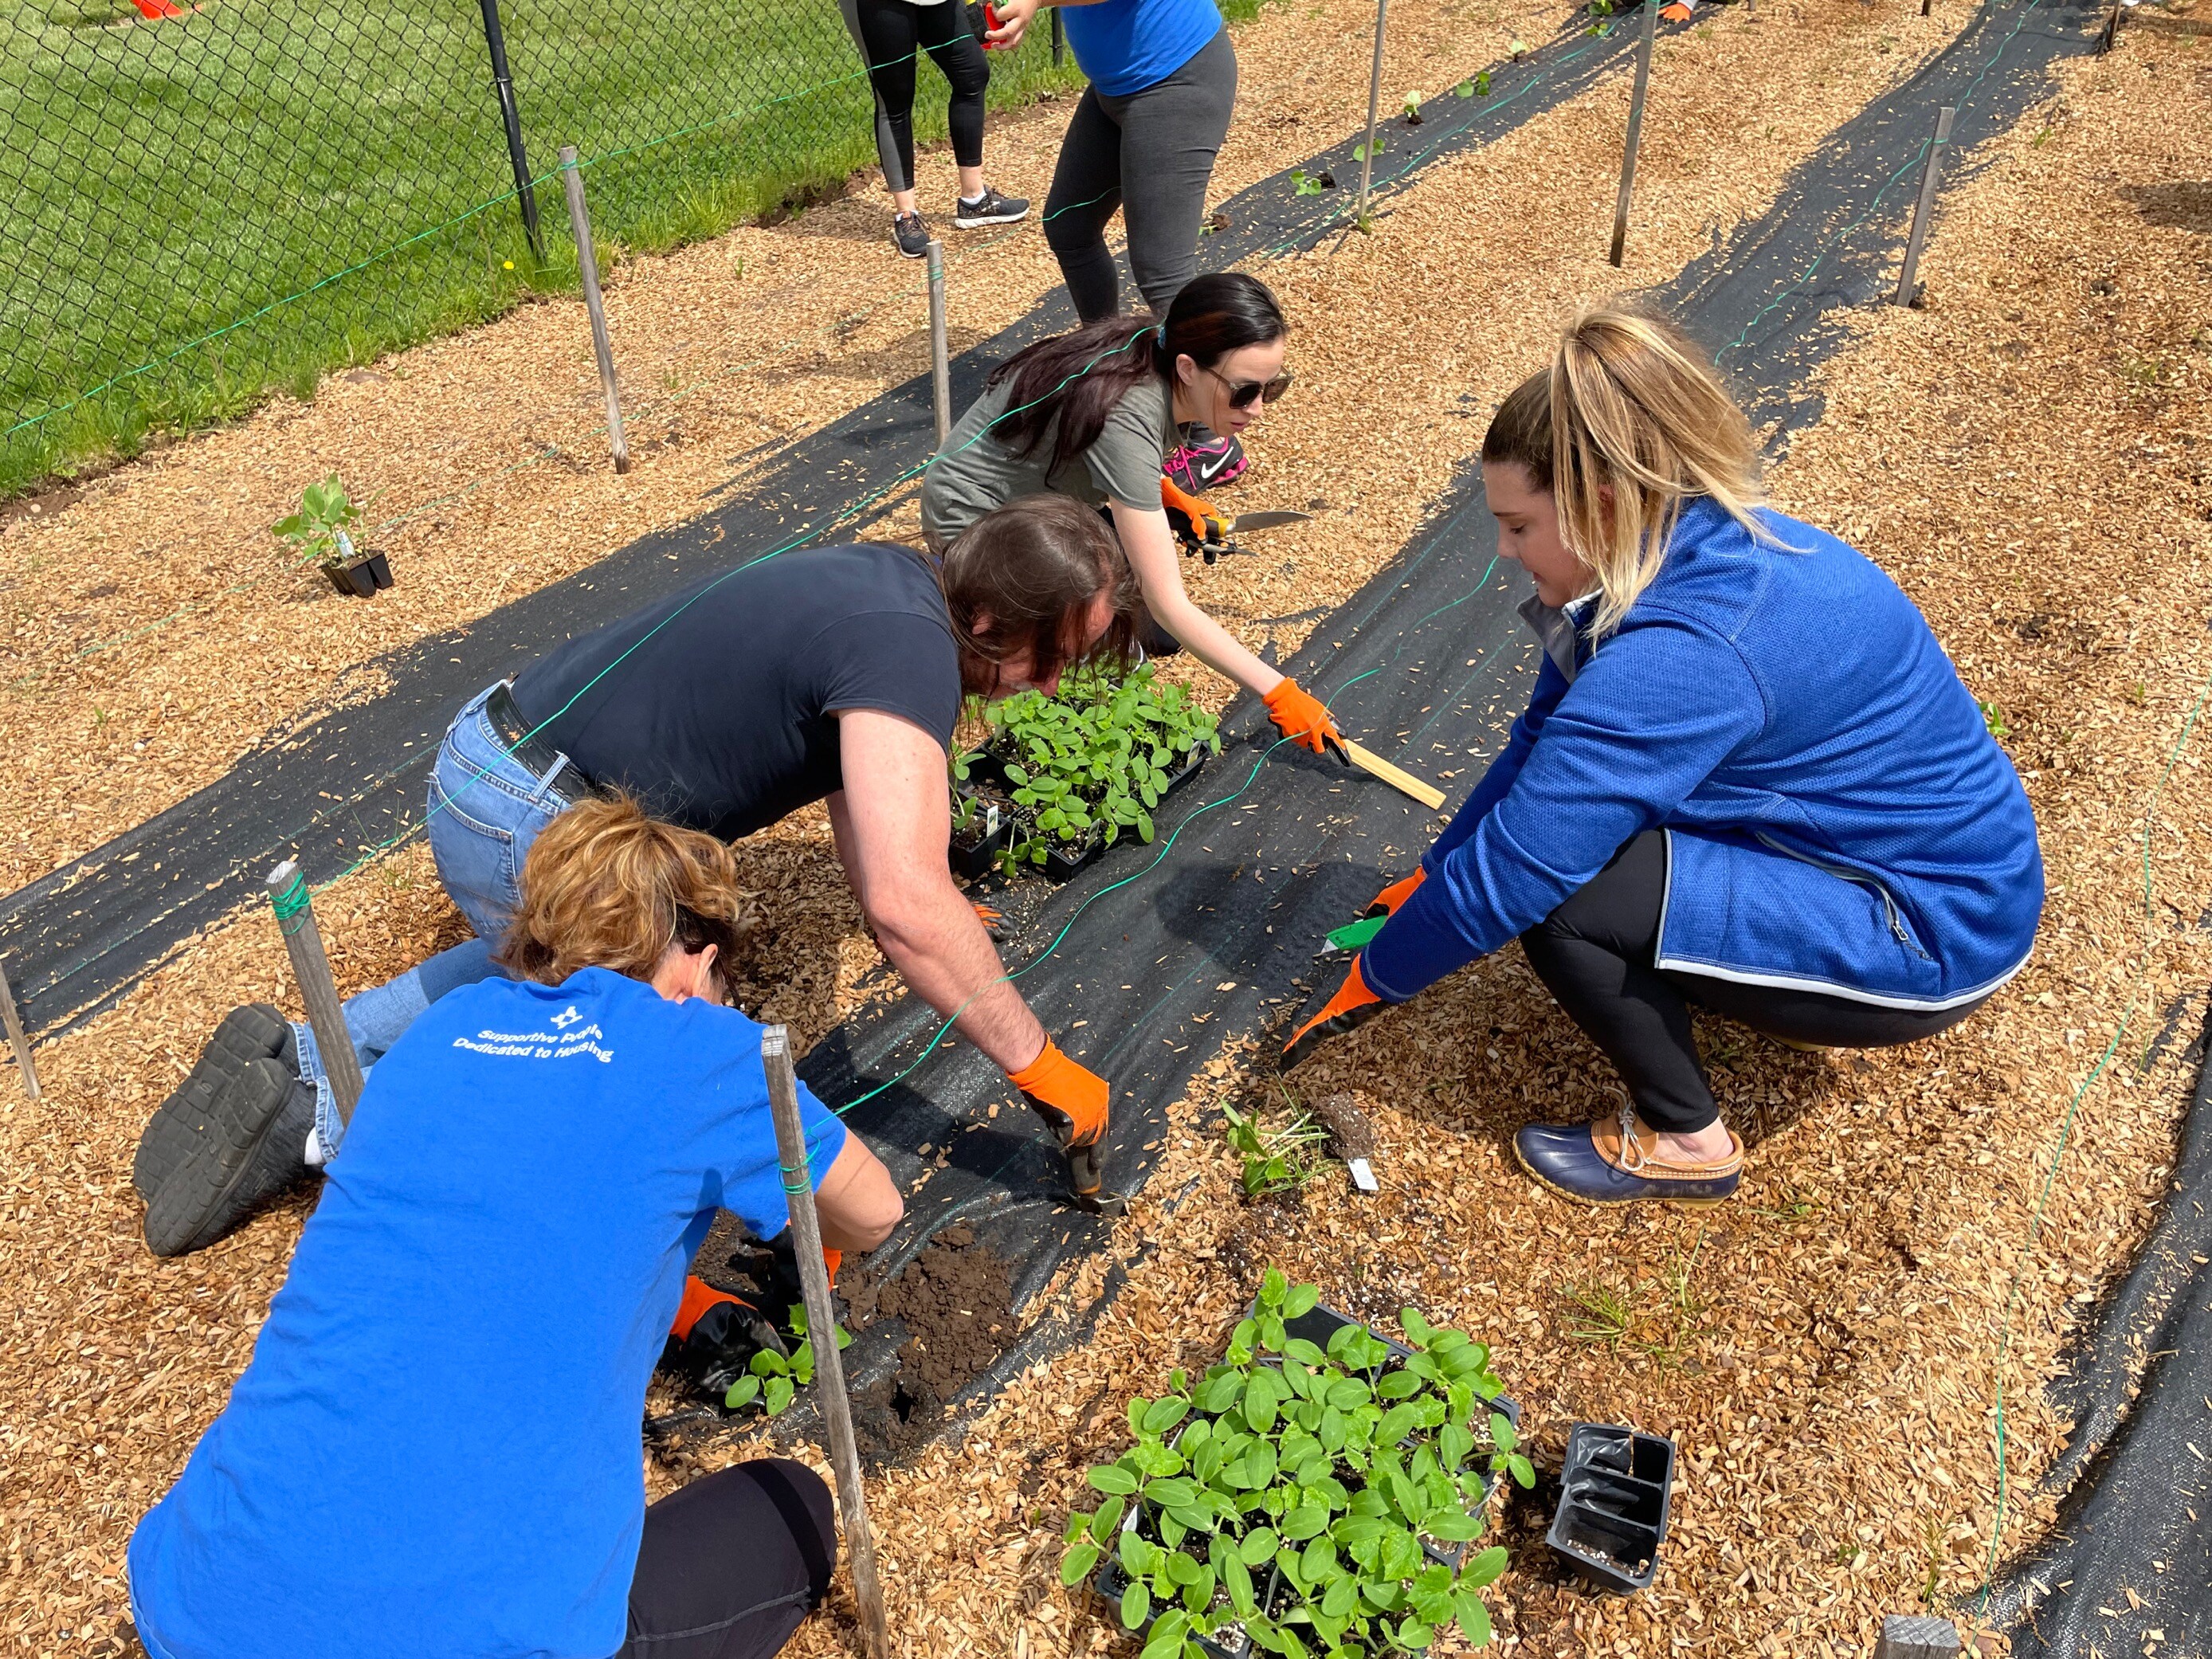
715, 1336
1351, 1007
1073, 1102
1303, 717
1387, 902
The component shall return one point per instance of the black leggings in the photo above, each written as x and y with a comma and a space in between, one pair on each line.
731, 1564
1594, 953
891, 35
1152, 153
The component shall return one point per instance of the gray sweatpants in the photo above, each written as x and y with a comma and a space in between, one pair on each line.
1150, 154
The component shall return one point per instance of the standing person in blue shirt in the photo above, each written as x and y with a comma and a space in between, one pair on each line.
1144, 139
1748, 779
434, 1453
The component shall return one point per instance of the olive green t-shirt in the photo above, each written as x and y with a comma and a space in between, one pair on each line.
977, 470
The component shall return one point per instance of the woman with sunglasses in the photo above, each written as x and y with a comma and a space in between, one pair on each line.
1092, 413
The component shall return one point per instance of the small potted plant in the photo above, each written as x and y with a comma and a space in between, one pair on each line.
317, 534
982, 818
1305, 1500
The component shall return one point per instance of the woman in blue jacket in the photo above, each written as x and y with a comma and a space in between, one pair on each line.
1748, 778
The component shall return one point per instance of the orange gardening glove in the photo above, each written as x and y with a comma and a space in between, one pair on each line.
1073, 1102
698, 1296
1190, 517
1303, 717
1677, 13
832, 1260
1387, 900
1352, 1006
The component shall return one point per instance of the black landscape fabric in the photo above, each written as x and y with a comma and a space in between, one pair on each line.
2128, 1569
348, 776
1145, 964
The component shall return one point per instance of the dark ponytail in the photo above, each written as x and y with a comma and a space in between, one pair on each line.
1079, 378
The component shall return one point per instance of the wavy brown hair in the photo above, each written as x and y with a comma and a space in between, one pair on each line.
1032, 568
605, 886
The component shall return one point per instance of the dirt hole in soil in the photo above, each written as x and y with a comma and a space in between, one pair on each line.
955, 1300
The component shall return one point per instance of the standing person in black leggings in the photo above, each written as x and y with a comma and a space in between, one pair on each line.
892, 34
1145, 136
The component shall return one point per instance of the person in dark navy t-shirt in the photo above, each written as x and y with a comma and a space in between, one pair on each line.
835, 675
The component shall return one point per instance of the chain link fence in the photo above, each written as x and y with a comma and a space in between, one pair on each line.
207, 201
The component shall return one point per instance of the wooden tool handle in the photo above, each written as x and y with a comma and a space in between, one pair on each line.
1405, 782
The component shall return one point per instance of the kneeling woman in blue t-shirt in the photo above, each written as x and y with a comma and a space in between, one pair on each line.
434, 1450
1747, 778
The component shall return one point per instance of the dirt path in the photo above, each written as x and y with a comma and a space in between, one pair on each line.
113, 1364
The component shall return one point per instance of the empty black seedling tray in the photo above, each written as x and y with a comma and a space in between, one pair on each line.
1616, 1487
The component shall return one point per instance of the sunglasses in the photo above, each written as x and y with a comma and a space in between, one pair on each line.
1243, 394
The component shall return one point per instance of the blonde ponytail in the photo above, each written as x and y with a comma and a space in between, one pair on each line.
1628, 422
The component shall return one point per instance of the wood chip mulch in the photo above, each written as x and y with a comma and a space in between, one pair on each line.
2021, 455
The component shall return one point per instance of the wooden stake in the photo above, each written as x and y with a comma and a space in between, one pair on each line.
303, 942
16, 1039
1635, 129
821, 1331
1374, 101
579, 224
940, 361
1919, 236
2112, 29
1405, 782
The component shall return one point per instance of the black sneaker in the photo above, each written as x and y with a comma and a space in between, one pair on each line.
989, 208
256, 1032
251, 1145
910, 234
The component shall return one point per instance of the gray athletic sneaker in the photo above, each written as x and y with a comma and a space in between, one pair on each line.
989, 208
255, 1032
252, 1145
910, 234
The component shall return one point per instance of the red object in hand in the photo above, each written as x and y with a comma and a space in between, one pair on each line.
154, 10
991, 24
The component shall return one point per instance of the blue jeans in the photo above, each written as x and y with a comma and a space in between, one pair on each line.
484, 810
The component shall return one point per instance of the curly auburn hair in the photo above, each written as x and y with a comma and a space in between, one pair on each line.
605, 886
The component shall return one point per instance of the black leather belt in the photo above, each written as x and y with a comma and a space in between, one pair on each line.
533, 753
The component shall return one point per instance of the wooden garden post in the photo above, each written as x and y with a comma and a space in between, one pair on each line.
821, 1331
580, 223
940, 362
1635, 129
1918, 239
1374, 100
17, 1038
303, 942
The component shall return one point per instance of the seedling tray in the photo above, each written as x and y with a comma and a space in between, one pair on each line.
1230, 1642
1317, 1326
1616, 1489
1063, 865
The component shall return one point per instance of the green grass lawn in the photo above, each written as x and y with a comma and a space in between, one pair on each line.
224, 172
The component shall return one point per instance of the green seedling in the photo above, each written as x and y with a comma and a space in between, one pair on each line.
1094, 757
1332, 1467
772, 1379
317, 532
1278, 1160
1303, 183
1412, 110
1993, 717
1362, 152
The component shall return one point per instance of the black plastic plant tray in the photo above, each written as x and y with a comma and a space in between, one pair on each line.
1616, 1490
1317, 1325
1060, 864
1229, 1643
970, 862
